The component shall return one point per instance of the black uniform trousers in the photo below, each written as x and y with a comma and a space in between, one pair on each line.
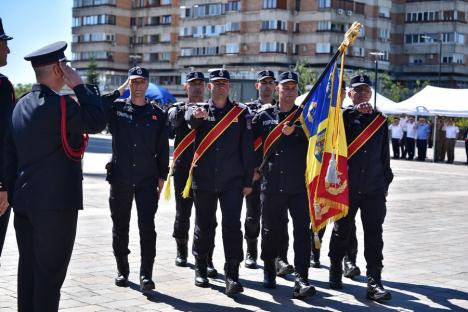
403, 145
410, 148
373, 211
120, 201
183, 208
45, 244
396, 148
422, 149
205, 222
275, 219
253, 212
3, 228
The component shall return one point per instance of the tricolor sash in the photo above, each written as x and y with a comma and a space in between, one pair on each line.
209, 139
275, 134
365, 135
257, 143
179, 150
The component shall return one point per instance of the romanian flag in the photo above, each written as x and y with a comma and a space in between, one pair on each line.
327, 165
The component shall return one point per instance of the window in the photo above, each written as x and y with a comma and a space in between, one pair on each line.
185, 31
166, 2
165, 19
273, 25
360, 52
324, 4
275, 47
97, 55
322, 47
93, 20
233, 6
153, 39
460, 38
185, 12
269, 4
232, 27
153, 21
384, 12
165, 37
186, 52
86, 3
323, 25
165, 56
232, 48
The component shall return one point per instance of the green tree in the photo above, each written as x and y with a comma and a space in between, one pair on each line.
92, 75
21, 89
307, 76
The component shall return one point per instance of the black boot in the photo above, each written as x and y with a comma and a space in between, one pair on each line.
123, 269
212, 272
283, 268
231, 271
251, 257
182, 252
315, 257
302, 288
269, 274
350, 268
201, 275
375, 290
146, 273
336, 270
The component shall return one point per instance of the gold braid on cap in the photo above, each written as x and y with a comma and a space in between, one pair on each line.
350, 36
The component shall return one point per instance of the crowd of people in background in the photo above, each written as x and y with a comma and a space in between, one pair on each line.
406, 134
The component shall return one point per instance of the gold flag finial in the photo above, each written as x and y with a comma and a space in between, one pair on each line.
350, 36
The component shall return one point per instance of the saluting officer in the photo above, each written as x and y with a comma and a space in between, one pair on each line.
7, 102
138, 169
369, 175
283, 187
44, 154
222, 171
183, 152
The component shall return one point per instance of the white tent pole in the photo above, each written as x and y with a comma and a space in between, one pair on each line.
434, 139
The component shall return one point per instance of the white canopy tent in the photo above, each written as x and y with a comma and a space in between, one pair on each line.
434, 101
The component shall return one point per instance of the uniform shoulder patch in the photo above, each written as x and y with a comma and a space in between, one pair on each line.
265, 107
241, 105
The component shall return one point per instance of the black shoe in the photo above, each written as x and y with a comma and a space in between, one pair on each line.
182, 251
283, 268
315, 257
350, 269
146, 273
211, 271
123, 269
231, 271
302, 288
375, 290
251, 256
201, 275
269, 274
336, 270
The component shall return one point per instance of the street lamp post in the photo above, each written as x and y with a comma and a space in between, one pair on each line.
376, 54
440, 54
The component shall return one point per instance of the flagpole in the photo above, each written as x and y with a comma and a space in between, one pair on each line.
350, 37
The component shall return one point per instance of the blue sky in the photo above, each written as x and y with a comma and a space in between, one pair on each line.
33, 24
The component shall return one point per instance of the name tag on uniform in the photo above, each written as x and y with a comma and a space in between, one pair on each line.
124, 115
211, 118
270, 122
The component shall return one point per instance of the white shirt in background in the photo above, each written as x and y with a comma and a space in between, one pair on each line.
397, 131
403, 123
451, 132
411, 130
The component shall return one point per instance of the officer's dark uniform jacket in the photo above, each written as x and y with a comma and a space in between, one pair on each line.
229, 162
140, 146
46, 178
179, 130
369, 169
285, 169
6, 108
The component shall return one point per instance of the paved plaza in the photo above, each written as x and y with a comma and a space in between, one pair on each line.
426, 254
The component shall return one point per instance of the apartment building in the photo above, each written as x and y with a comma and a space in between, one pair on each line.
170, 36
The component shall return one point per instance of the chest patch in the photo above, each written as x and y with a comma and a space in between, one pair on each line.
270, 122
124, 115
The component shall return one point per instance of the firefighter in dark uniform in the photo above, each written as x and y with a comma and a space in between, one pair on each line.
224, 173
369, 178
283, 187
138, 169
44, 151
195, 88
7, 102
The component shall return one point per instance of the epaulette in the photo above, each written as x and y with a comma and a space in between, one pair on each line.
156, 106
241, 105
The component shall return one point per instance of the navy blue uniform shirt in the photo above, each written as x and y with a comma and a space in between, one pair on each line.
6, 108
284, 172
229, 162
46, 179
140, 144
369, 169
